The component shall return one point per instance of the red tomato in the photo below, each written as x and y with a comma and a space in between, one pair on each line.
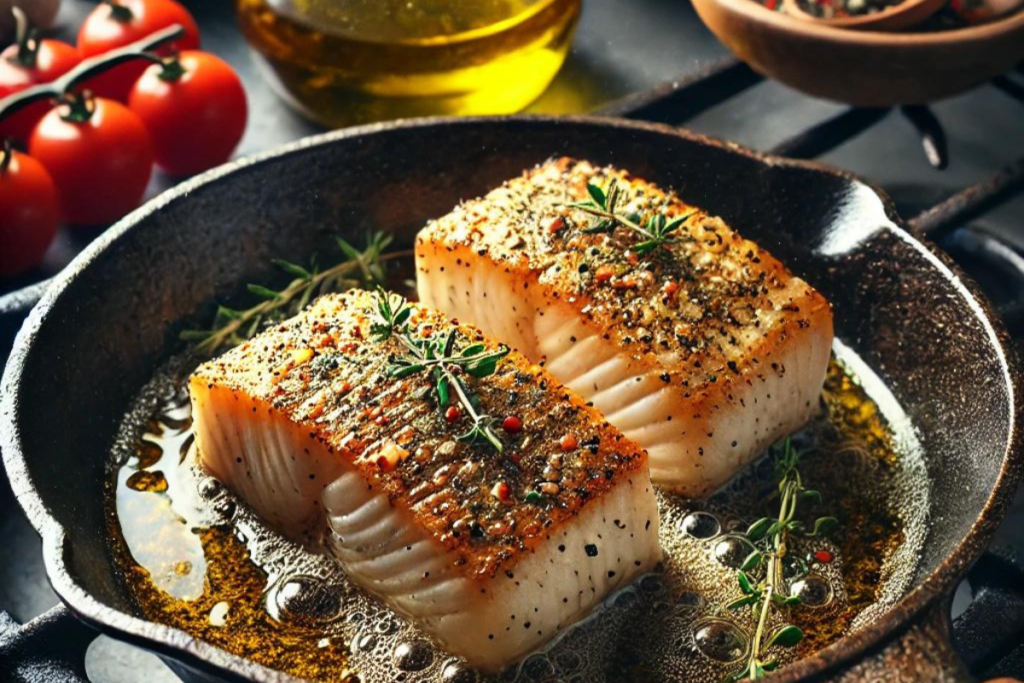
28, 205
125, 21
196, 120
101, 166
20, 70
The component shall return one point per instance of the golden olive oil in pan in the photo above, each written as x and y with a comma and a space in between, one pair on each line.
351, 61
195, 558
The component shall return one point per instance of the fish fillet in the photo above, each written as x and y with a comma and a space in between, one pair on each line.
493, 553
703, 351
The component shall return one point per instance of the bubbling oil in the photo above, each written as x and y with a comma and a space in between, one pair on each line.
344, 62
197, 559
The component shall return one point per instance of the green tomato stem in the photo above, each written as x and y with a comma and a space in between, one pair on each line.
27, 41
119, 12
6, 156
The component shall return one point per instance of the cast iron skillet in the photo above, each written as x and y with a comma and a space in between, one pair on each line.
115, 312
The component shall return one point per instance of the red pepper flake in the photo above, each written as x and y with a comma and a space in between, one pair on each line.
568, 442
604, 273
670, 288
512, 424
390, 456
556, 224
382, 420
502, 491
628, 282
823, 556
345, 387
452, 414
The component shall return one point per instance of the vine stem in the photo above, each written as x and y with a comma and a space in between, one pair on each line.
57, 89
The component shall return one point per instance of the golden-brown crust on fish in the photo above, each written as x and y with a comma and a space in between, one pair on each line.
325, 371
688, 305
703, 349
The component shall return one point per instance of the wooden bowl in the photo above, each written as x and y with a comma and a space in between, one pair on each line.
867, 68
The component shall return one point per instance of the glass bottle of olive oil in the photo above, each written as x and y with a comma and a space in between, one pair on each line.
351, 61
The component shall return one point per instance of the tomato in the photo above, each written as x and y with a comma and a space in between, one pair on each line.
101, 165
21, 67
116, 24
197, 119
28, 205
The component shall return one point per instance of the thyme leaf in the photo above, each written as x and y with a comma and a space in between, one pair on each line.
771, 536
656, 231
447, 363
367, 267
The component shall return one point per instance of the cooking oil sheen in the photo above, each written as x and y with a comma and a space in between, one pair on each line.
343, 62
195, 558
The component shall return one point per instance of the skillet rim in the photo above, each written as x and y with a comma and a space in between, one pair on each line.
196, 653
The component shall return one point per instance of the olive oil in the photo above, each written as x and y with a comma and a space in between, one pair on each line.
343, 62
194, 558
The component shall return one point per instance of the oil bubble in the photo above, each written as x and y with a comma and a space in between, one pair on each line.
210, 488
732, 550
813, 591
701, 525
537, 668
567, 661
652, 585
457, 672
414, 655
386, 625
689, 599
364, 642
304, 600
720, 640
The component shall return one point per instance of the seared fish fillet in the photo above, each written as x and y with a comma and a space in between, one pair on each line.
703, 350
493, 553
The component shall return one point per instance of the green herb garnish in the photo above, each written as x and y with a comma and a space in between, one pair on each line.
656, 230
364, 268
769, 536
446, 363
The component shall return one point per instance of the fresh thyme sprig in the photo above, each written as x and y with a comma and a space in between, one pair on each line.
656, 231
770, 537
360, 268
446, 363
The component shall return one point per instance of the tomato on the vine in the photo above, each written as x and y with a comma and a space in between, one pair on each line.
28, 205
31, 62
116, 23
195, 110
100, 156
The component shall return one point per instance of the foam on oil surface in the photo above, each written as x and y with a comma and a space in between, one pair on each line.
196, 558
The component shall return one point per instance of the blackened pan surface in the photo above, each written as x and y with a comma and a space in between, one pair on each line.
115, 313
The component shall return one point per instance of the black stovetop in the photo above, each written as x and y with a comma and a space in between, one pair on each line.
962, 158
